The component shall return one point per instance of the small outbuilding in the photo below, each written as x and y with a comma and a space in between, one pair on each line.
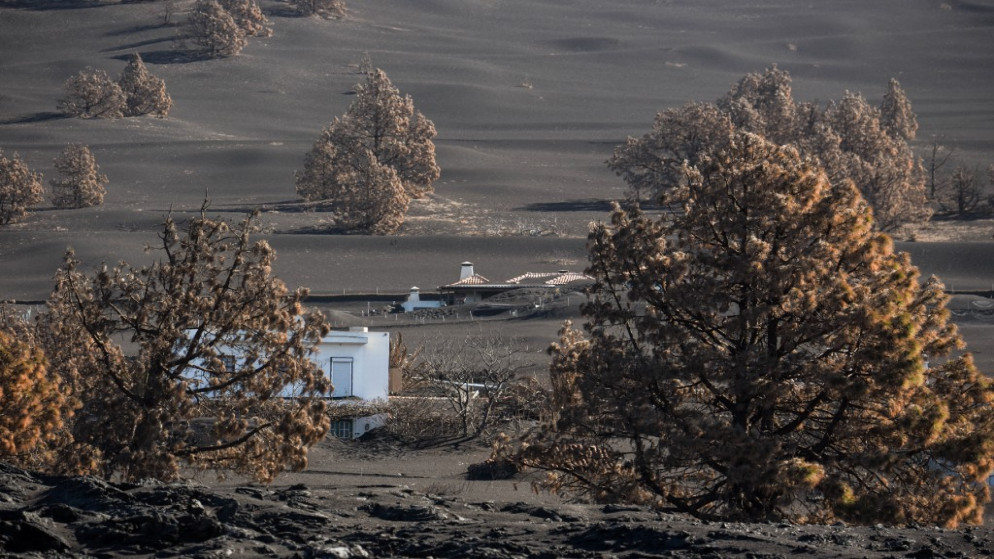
414, 301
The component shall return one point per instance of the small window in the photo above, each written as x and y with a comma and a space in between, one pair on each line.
343, 428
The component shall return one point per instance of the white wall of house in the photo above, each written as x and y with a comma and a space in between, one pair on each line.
357, 362
358, 426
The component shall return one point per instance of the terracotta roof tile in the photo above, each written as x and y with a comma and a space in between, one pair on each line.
475, 279
550, 278
568, 277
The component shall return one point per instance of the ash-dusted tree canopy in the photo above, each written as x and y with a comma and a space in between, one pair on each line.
58, 390
80, 183
896, 115
144, 93
20, 188
215, 30
851, 140
32, 400
366, 195
92, 94
762, 353
346, 168
324, 8
248, 16
212, 341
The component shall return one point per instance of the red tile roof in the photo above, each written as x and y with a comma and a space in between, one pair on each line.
475, 279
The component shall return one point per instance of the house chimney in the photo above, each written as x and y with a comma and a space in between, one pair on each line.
415, 295
466, 271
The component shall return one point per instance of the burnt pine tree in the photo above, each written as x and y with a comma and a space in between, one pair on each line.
896, 114
144, 93
80, 183
381, 126
248, 16
211, 333
215, 30
365, 195
32, 400
92, 94
20, 188
324, 8
761, 354
851, 139
58, 391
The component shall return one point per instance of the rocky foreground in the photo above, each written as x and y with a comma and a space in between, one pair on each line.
44, 516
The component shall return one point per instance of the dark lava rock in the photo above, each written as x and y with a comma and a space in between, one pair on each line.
492, 470
412, 513
87, 493
49, 516
606, 537
545, 513
22, 532
151, 530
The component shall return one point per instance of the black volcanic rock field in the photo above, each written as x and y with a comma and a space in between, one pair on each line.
529, 98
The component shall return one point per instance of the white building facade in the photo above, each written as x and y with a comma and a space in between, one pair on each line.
356, 361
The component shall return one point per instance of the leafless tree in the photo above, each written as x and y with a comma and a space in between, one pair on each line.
936, 157
473, 373
963, 193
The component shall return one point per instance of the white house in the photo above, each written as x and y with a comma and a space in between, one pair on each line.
358, 363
